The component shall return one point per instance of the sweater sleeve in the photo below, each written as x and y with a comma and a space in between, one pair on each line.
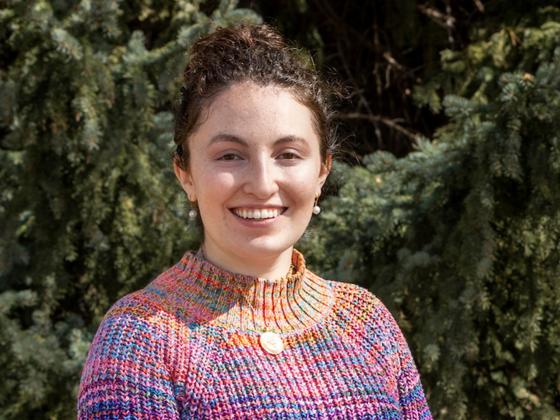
124, 375
411, 394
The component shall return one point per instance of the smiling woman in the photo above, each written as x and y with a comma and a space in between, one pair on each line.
241, 328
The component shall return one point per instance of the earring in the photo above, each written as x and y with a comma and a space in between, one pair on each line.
192, 212
316, 208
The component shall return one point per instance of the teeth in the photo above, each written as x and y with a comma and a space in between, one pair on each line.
257, 213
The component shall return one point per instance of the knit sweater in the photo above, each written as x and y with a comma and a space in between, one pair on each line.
189, 345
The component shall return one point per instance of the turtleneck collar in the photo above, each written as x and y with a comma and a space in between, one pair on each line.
212, 295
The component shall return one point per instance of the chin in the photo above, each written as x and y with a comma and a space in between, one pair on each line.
269, 247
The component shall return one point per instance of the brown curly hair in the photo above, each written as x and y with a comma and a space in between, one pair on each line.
256, 53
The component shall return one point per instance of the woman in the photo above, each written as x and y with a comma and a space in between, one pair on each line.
241, 328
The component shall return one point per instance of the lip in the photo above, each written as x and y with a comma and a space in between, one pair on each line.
258, 206
257, 222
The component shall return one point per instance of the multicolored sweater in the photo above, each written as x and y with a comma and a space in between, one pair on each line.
190, 345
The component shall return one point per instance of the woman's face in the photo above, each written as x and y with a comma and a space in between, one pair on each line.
254, 170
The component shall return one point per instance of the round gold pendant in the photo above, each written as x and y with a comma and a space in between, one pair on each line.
271, 342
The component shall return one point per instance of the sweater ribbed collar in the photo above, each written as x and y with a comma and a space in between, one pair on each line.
216, 296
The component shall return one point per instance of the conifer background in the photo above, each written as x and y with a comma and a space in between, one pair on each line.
449, 211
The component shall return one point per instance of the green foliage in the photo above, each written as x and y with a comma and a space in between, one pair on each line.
89, 208
381, 50
460, 238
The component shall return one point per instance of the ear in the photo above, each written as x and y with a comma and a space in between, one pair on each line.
325, 170
185, 179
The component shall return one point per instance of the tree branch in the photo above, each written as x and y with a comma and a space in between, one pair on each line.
379, 119
446, 21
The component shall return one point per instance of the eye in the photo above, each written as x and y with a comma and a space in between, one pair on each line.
229, 156
288, 155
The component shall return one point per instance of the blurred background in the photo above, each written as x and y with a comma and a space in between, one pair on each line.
445, 200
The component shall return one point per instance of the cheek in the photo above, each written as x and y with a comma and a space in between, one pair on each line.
303, 191
303, 185
213, 187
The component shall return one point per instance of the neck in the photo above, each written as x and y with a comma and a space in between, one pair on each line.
263, 266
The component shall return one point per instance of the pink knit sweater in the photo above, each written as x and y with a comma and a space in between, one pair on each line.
190, 346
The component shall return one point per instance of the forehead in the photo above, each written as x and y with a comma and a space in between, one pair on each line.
254, 112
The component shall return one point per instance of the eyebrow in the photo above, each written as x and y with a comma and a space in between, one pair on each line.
223, 137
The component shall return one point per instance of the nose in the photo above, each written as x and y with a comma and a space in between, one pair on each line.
262, 178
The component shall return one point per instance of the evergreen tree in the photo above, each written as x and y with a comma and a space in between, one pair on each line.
89, 208
460, 238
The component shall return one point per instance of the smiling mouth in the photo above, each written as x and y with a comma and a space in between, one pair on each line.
258, 214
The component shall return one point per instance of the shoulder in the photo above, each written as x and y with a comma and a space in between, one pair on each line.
368, 316
154, 303
137, 305
367, 313
140, 316
129, 321
144, 306
360, 301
